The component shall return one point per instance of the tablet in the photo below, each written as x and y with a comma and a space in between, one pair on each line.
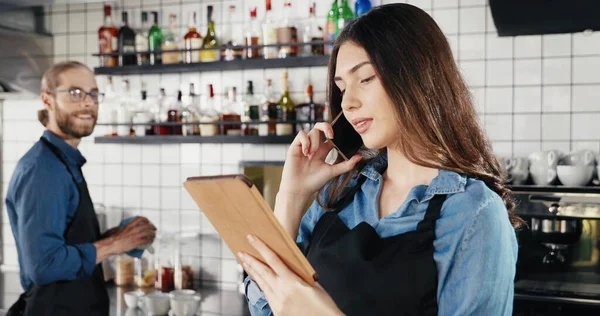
235, 207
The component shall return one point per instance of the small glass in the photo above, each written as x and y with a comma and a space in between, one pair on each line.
145, 271
124, 270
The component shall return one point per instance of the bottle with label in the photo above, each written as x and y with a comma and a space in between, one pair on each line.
126, 43
173, 115
155, 38
287, 33
141, 41
142, 116
192, 40
268, 111
251, 112
286, 110
189, 115
345, 15
160, 114
253, 36
231, 113
170, 43
361, 7
107, 40
210, 40
308, 111
208, 114
331, 26
269, 31
231, 50
313, 32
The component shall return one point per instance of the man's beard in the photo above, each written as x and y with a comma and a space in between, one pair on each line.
65, 122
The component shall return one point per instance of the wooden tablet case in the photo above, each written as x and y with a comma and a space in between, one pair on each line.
235, 207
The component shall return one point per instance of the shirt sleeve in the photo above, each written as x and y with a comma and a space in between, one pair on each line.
481, 279
42, 208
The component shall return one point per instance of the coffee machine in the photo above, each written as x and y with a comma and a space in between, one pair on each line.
558, 268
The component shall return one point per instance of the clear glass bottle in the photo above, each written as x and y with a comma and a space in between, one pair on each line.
209, 114
251, 112
124, 113
141, 41
108, 110
268, 111
160, 113
173, 115
167, 256
253, 37
287, 33
230, 51
313, 32
124, 270
231, 113
189, 115
142, 116
269, 31
170, 42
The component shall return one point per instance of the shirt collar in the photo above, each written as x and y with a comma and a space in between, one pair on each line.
446, 182
71, 155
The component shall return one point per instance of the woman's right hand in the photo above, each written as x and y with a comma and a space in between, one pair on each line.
305, 170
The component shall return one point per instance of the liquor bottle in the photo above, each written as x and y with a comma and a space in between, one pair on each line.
124, 113
209, 115
173, 115
331, 26
192, 40
230, 113
287, 33
126, 43
142, 116
141, 42
251, 112
361, 7
107, 40
313, 32
170, 43
189, 115
230, 49
345, 15
269, 33
160, 114
155, 38
253, 36
210, 40
108, 109
286, 110
308, 111
268, 111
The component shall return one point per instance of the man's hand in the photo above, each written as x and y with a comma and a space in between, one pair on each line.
135, 234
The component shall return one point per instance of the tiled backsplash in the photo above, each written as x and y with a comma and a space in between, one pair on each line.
532, 93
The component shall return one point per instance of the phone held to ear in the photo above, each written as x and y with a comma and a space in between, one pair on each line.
345, 139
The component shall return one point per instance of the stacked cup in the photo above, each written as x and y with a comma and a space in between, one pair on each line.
576, 168
542, 166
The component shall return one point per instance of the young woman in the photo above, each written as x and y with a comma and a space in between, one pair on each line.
419, 223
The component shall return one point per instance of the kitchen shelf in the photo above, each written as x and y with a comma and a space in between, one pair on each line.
290, 62
559, 189
176, 139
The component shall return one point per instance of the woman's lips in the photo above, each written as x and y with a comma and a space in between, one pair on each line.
361, 125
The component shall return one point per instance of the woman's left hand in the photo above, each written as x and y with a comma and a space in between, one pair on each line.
285, 291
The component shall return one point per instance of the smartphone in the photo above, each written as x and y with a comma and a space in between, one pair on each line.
346, 139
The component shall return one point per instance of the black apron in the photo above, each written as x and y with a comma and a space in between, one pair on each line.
369, 275
85, 296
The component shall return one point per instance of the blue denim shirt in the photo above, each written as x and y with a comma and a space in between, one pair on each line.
475, 245
41, 201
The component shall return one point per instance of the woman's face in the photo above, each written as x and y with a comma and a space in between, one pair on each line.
365, 103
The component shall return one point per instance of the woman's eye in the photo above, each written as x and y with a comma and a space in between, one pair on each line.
367, 80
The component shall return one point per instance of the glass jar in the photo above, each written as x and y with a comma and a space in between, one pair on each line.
187, 272
166, 257
124, 270
145, 271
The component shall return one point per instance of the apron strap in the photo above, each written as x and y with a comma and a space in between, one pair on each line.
432, 214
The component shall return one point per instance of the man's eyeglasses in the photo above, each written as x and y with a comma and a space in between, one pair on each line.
79, 95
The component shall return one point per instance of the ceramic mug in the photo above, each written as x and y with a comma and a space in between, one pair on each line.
518, 169
157, 303
542, 175
579, 158
548, 158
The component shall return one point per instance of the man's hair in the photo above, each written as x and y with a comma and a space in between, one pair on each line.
50, 80
43, 116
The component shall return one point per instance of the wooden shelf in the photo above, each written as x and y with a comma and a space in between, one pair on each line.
176, 139
290, 62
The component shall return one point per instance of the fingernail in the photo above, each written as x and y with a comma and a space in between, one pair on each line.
251, 238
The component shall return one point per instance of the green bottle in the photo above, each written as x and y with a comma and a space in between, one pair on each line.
345, 15
331, 26
155, 38
210, 40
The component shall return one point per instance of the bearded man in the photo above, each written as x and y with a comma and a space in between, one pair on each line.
50, 210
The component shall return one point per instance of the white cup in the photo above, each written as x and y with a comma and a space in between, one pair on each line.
579, 158
133, 299
157, 303
185, 305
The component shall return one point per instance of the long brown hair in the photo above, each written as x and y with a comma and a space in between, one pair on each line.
438, 126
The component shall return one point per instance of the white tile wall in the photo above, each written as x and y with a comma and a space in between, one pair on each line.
531, 93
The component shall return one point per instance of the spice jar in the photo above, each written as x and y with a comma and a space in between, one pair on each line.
145, 271
124, 270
